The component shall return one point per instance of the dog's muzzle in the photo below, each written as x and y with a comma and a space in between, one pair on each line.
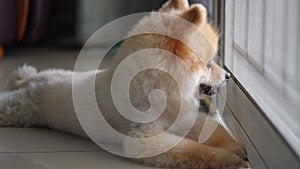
210, 90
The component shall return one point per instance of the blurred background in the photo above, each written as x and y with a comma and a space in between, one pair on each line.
67, 23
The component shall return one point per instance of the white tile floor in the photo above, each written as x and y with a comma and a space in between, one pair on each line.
27, 148
33, 148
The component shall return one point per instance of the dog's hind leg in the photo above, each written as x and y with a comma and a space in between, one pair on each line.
18, 107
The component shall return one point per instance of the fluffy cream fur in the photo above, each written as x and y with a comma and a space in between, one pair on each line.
45, 98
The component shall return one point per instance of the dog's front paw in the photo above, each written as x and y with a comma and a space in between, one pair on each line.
238, 150
224, 159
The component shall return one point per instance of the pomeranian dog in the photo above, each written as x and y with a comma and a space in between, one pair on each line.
45, 98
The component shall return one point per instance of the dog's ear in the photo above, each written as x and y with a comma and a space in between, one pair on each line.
175, 4
196, 15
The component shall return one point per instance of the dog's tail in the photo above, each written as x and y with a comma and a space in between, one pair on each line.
20, 76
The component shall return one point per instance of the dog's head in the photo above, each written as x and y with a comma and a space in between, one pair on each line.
204, 43
195, 43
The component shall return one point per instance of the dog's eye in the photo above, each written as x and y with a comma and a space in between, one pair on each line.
209, 64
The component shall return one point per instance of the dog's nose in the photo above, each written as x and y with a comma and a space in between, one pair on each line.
227, 75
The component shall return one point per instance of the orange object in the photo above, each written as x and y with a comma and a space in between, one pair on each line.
1, 52
23, 11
